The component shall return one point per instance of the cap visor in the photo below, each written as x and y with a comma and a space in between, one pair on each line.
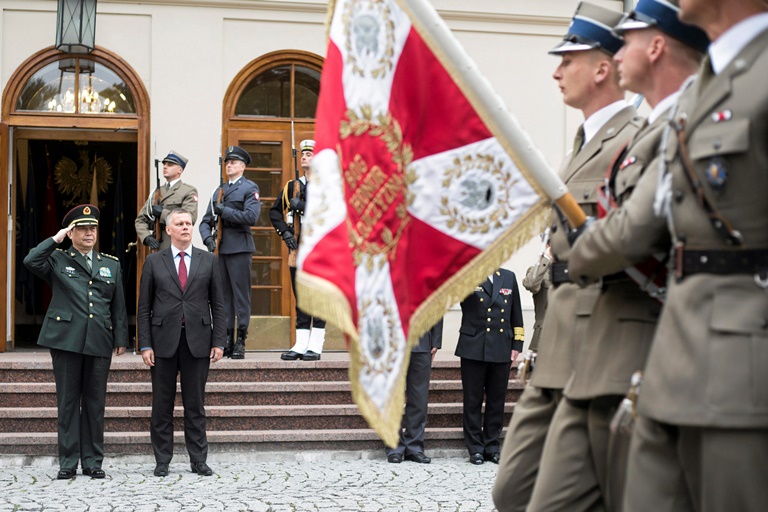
569, 46
630, 24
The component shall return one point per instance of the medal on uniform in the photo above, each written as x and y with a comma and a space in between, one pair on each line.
105, 272
716, 173
70, 271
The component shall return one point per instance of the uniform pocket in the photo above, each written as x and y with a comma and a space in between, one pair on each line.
469, 331
59, 316
720, 139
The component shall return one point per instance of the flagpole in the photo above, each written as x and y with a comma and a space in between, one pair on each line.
490, 106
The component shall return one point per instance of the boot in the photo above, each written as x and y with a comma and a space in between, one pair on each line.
239, 351
315, 347
230, 343
298, 349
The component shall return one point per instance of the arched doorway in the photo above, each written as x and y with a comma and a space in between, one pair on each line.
66, 119
269, 108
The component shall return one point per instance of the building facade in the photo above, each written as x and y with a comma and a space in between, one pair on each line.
196, 76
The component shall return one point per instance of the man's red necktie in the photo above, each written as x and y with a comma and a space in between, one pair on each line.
182, 271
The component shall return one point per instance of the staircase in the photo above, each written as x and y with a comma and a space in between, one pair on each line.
259, 403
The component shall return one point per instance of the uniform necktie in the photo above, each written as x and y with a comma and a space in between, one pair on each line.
578, 142
167, 187
182, 270
88, 262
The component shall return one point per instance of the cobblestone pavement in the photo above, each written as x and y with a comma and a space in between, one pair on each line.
266, 484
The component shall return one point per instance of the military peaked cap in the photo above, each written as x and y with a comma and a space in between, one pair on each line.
82, 215
237, 153
662, 14
175, 158
591, 28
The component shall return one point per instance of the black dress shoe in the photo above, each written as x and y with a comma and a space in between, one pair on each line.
310, 356
66, 474
94, 472
161, 469
395, 458
418, 457
290, 356
476, 459
201, 468
493, 457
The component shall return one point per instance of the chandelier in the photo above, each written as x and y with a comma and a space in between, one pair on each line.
91, 102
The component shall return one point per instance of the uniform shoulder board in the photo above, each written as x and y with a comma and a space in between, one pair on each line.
62, 250
109, 256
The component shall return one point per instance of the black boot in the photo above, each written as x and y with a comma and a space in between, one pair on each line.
239, 350
230, 343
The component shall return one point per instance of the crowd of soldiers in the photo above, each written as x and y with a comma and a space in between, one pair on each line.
649, 390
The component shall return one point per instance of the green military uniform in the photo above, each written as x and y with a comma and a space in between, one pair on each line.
180, 195
86, 320
538, 281
702, 431
569, 305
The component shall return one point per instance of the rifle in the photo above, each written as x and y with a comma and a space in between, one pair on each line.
218, 230
294, 220
157, 199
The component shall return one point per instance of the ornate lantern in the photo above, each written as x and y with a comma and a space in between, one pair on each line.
76, 26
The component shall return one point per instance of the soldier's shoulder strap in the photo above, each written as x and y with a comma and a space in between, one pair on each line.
109, 256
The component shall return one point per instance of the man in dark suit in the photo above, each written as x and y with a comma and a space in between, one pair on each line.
239, 210
490, 337
85, 322
417, 398
181, 330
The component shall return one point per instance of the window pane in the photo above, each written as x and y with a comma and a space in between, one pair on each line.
263, 220
267, 244
307, 89
264, 155
266, 272
52, 89
265, 302
269, 94
269, 183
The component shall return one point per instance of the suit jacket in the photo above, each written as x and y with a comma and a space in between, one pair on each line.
707, 365
538, 284
570, 306
87, 310
180, 195
433, 338
242, 207
492, 320
162, 305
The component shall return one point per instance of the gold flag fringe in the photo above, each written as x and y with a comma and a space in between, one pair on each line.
325, 300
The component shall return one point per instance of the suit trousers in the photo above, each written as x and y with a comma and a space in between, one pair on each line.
521, 454
674, 468
303, 320
236, 277
416, 402
478, 379
80, 379
194, 374
573, 469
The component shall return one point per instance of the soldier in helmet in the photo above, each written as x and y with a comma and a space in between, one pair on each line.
310, 331
239, 210
173, 194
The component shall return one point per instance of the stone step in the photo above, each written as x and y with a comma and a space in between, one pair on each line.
44, 443
224, 371
138, 394
231, 418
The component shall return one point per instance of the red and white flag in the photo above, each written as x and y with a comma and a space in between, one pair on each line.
413, 200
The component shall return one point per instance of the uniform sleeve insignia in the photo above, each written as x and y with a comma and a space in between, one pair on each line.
105, 272
256, 195
194, 197
506, 291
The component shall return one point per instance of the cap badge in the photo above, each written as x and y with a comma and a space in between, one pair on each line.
87, 210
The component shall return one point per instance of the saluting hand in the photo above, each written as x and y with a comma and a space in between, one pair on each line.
62, 234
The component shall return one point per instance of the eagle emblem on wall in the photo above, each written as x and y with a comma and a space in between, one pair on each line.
76, 181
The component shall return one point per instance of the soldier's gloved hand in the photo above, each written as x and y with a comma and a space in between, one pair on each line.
157, 210
576, 233
210, 243
289, 240
218, 208
296, 204
152, 243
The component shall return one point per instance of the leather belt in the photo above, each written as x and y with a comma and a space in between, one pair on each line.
560, 273
618, 276
719, 261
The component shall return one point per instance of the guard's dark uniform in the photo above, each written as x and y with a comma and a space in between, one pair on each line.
241, 208
86, 320
491, 328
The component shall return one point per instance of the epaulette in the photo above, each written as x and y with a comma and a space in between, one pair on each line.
62, 250
109, 256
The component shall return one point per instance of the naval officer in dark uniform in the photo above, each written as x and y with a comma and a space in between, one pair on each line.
490, 337
85, 322
239, 210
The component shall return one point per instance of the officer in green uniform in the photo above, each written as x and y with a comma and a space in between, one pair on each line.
85, 323
174, 194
